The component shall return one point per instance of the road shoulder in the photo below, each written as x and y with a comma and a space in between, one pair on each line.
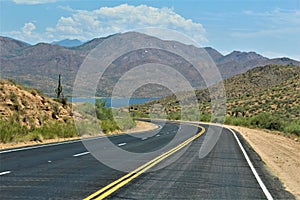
280, 154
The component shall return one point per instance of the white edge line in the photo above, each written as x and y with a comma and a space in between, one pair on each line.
6, 172
260, 182
122, 144
81, 154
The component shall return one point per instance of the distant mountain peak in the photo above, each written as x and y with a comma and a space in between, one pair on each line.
214, 54
10, 46
68, 43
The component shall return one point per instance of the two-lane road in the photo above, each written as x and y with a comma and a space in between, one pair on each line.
174, 170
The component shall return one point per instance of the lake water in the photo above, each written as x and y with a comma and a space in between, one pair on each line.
115, 102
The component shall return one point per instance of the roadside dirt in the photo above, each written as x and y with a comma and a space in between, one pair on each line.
281, 155
140, 126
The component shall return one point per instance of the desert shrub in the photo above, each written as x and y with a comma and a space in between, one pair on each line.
102, 112
267, 121
88, 127
24, 102
138, 114
53, 130
125, 123
86, 109
108, 126
11, 129
13, 98
174, 115
206, 117
292, 128
236, 121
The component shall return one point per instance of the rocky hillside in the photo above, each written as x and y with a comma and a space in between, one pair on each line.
38, 65
29, 107
272, 89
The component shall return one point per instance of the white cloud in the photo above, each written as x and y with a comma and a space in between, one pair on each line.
33, 1
86, 25
26, 33
28, 28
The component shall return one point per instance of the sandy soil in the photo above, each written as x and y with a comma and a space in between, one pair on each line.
281, 154
140, 126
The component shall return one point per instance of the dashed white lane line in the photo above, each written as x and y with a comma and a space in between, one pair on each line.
81, 154
122, 144
157, 135
145, 138
6, 172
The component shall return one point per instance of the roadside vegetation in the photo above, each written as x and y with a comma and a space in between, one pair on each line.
28, 115
12, 131
108, 119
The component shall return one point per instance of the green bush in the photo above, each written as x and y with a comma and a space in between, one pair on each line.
292, 128
138, 114
174, 115
12, 131
237, 121
205, 117
56, 130
108, 126
267, 121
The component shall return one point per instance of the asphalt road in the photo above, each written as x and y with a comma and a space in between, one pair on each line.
71, 171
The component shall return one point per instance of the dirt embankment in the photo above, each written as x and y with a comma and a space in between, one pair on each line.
281, 155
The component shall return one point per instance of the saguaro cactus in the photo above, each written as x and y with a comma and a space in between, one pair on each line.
58, 90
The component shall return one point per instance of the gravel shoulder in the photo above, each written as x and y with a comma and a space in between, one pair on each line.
279, 153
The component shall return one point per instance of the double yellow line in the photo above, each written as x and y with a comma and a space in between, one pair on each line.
112, 187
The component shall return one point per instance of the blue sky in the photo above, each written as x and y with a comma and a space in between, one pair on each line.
269, 27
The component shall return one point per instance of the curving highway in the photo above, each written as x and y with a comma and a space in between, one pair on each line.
159, 164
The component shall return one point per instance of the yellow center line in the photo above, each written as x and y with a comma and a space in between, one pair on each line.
112, 187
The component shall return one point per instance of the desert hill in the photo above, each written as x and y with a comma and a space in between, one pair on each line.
257, 96
30, 108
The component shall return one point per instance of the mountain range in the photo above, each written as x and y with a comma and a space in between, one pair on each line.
68, 42
38, 65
